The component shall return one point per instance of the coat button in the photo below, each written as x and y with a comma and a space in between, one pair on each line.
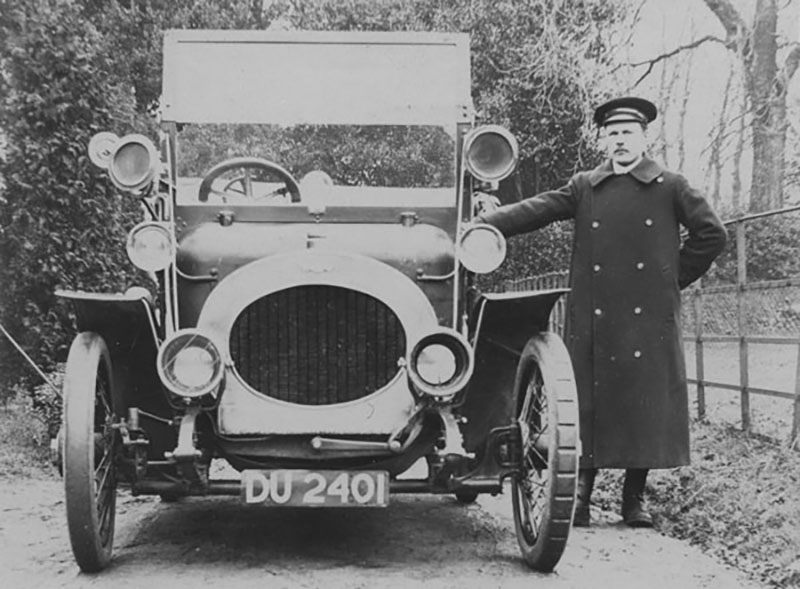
598, 312
597, 267
648, 222
637, 311
637, 354
639, 265
595, 224
660, 179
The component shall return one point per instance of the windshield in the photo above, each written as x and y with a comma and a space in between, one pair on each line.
367, 165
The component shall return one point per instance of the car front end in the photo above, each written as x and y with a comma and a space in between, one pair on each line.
313, 322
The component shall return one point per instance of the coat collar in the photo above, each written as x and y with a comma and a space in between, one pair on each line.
645, 172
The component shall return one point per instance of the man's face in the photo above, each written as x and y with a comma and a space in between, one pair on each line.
624, 142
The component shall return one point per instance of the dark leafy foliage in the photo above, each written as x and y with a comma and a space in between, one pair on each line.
133, 30
375, 155
540, 252
772, 250
61, 224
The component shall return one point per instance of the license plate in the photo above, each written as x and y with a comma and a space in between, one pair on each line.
312, 488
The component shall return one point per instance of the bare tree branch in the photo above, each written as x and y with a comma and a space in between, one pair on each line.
728, 16
633, 22
664, 95
716, 144
687, 80
651, 63
504, 71
791, 63
725, 137
736, 187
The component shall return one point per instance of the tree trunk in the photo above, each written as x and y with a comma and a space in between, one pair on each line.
769, 144
768, 98
765, 87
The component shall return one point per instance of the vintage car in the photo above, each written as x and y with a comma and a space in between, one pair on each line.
313, 324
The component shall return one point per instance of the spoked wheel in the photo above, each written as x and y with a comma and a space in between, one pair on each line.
543, 491
90, 449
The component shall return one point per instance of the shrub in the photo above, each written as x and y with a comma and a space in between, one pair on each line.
61, 224
540, 252
773, 250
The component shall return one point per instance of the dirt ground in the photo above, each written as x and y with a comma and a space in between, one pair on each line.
418, 540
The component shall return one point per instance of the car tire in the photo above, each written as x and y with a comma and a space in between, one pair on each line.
91, 445
543, 489
466, 497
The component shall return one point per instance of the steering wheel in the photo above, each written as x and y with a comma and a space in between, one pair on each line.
249, 165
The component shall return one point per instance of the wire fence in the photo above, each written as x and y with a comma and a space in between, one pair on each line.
742, 335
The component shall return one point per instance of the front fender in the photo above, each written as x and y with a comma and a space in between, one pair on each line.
127, 325
511, 318
501, 325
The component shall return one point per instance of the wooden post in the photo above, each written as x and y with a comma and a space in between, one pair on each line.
698, 352
741, 282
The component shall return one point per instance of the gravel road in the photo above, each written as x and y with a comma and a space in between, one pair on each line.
418, 540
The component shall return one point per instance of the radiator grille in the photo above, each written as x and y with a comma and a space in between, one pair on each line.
317, 345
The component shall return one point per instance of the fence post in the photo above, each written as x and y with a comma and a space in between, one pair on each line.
741, 282
698, 352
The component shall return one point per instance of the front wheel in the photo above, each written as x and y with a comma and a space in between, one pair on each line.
466, 497
90, 448
543, 489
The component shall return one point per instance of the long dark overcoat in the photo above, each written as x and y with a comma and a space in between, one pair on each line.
628, 266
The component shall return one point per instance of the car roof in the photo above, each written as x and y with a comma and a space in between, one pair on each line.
315, 77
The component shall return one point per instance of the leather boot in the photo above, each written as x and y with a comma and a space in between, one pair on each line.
634, 511
585, 485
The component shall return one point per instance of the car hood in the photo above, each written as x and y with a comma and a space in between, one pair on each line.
211, 248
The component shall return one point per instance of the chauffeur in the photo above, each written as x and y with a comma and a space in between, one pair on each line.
628, 265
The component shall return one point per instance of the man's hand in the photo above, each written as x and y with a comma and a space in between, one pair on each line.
484, 203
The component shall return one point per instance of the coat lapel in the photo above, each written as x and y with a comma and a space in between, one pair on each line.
600, 173
645, 172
